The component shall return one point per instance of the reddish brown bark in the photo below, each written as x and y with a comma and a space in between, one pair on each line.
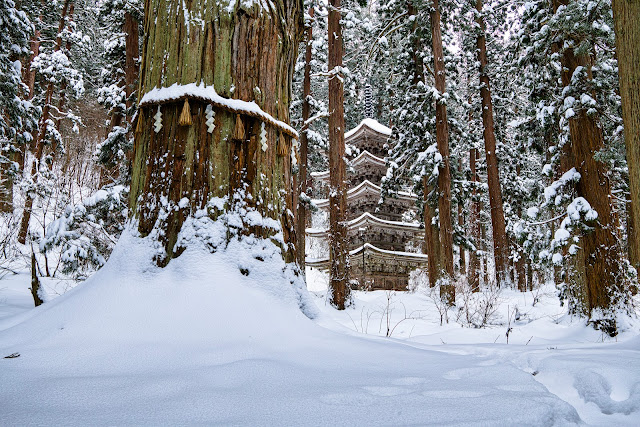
626, 16
338, 250
431, 239
303, 177
463, 257
448, 290
598, 270
493, 177
474, 219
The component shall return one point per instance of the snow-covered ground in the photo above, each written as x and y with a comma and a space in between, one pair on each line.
200, 343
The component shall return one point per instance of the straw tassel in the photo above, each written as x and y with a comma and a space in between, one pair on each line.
282, 145
140, 120
185, 116
238, 130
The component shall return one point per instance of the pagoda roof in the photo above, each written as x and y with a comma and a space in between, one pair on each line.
367, 187
362, 159
369, 248
368, 219
370, 124
366, 157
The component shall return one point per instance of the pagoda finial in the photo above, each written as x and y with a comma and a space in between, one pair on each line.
368, 102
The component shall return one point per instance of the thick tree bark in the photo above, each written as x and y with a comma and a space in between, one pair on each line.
338, 251
303, 176
431, 239
247, 53
448, 290
493, 178
626, 16
42, 130
474, 262
597, 269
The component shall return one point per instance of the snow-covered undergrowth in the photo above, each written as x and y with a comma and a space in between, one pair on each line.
598, 375
199, 342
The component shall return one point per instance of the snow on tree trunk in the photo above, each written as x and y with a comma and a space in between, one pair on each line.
493, 177
448, 290
597, 268
303, 181
234, 156
431, 239
338, 246
626, 15
474, 220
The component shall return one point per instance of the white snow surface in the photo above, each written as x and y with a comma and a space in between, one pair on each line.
199, 343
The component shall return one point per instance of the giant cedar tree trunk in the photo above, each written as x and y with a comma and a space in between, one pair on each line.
626, 15
493, 177
247, 52
448, 290
338, 247
303, 176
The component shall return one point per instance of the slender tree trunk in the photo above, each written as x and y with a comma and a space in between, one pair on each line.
626, 16
42, 130
303, 175
337, 193
448, 290
463, 257
474, 220
431, 239
6, 188
35, 282
63, 88
131, 30
247, 53
493, 178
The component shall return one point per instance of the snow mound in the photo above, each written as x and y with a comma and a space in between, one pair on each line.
200, 342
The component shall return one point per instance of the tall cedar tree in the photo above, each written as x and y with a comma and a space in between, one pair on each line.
338, 248
448, 290
626, 15
303, 179
493, 178
247, 52
597, 264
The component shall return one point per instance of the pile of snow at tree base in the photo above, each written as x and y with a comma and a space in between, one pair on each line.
198, 342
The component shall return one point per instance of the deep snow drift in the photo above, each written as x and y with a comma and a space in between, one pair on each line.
200, 343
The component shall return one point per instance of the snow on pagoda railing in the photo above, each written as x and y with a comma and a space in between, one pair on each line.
204, 93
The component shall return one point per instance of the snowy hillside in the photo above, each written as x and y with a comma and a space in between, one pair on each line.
138, 345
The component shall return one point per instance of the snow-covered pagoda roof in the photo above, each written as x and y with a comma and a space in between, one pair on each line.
397, 256
368, 124
367, 219
366, 187
363, 158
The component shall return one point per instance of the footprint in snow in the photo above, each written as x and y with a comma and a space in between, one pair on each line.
594, 388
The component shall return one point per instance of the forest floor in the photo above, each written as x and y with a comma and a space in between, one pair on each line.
199, 343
